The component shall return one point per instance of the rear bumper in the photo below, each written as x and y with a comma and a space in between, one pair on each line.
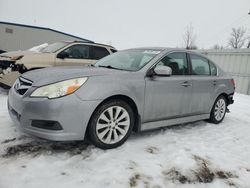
230, 99
69, 112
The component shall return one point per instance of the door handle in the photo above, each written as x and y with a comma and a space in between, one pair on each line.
214, 82
186, 84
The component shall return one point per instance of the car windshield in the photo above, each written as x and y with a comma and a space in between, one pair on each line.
131, 60
54, 47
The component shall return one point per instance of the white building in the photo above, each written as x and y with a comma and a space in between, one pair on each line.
236, 62
21, 37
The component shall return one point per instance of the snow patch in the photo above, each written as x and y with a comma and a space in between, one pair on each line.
197, 154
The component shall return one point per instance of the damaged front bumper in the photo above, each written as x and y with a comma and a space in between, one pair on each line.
9, 72
7, 80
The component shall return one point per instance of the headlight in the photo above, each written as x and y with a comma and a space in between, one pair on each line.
59, 89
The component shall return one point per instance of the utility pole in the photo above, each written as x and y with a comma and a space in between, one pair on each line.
248, 46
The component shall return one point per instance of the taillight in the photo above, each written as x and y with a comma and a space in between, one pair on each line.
233, 82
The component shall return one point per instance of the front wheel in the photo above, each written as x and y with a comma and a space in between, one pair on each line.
218, 111
111, 124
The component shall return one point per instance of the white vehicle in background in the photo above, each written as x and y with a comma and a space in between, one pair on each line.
13, 64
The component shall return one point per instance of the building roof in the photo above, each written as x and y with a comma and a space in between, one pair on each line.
47, 29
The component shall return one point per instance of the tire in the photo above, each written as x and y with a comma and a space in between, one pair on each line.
218, 111
107, 132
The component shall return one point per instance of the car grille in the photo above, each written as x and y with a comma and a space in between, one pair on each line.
22, 85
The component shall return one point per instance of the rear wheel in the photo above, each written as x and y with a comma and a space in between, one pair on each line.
111, 124
219, 110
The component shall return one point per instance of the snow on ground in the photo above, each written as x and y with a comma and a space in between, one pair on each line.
194, 155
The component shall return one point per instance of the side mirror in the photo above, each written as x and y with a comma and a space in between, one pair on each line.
62, 55
162, 70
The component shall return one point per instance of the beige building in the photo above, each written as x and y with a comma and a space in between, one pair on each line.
21, 37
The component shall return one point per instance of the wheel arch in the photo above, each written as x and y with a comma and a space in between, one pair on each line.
212, 117
130, 102
224, 95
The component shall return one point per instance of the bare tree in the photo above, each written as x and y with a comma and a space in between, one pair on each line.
189, 37
237, 38
248, 39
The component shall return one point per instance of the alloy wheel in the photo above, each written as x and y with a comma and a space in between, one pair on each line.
113, 124
220, 109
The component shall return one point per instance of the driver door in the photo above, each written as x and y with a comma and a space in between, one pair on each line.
76, 55
168, 97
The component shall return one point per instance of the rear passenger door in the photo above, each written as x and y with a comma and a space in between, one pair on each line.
204, 82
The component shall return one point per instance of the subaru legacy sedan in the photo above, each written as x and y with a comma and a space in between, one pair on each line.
131, 90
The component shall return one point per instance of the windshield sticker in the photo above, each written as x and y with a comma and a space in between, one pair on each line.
151, 52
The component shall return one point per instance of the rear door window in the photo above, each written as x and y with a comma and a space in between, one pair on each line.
200, 65
78, 52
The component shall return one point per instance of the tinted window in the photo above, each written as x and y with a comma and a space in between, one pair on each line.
177, 62
78, 52
213, 69
99, 52
113, 50
200, 65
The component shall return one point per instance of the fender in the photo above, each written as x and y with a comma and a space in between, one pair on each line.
101, 88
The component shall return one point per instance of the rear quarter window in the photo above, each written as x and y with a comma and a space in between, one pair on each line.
213, 69
99, 52
113, 50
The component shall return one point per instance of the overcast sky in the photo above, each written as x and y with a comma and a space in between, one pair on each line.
133, 23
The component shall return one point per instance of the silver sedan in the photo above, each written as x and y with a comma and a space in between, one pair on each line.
131, 90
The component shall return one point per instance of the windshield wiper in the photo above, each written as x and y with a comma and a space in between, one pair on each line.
109, 67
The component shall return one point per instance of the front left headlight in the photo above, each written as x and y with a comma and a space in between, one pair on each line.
59, 89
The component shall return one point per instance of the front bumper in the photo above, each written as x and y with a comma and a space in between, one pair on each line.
7, 80
70, 112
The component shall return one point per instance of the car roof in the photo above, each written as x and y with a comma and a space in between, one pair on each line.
83, 42
167, 49
159, 48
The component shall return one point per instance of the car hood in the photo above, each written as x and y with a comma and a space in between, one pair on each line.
15, 53
56, 74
